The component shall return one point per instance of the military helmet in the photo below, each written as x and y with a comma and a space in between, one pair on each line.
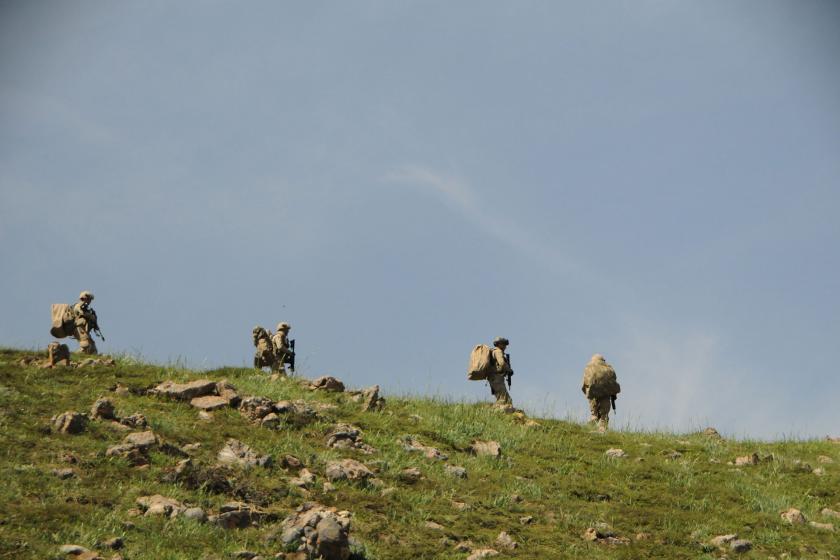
283, 326
597, 358
86, 295
500, 340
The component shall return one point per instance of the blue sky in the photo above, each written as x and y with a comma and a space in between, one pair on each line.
655, 181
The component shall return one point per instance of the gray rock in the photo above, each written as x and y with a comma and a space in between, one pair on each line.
318, 531
483, 553
822, 526
136, 421
747, 460
195, 514
327, 383
347, 469
488, 448
103, 409
73, 549
255, 408
237, 453
185, 391
411, 475
506, 542
454, 471
371, 401
794, 516
615, 453
412, 445
159, 505
740, 546
114, 543
723, 540
64, 474
142, 440
70, 422
210, 402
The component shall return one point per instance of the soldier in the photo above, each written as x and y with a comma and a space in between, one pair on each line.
85, 321
282, 347
601, 389
264, 356
501, 361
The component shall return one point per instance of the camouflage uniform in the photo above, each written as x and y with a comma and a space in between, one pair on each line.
264, 356
85, 320
599, 407
281, 347
497, 378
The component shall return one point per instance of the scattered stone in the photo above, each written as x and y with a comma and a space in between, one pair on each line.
516, 498
70, 422
191, 448
205, 416
329, 487
304, 479
195, 514
830, 513
121, 390
271, 421
64, 474
673, 455
237, 453
460, 506
73, 549
747, 460
159, 505
825, 460
410, 475
136, 421
488, 448
371, 401
347, 469
722, 541
740, 546
290, 462
712, 433
464, 546
793, 516
142, 440
318, 532
615, 453
455, 471
210, 402
433, 526
327, 383
103, 409
114, 543
345, 436
412, 445
185, 391
131, 453
482, 553
819, 471
295, 413
385, 491
800, 466
237, 515
255, 408
642, 536
506, 542
526, 519
227, 391
822, 526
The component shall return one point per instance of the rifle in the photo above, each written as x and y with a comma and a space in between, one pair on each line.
509, 374
94, 325
612, 401
290, 358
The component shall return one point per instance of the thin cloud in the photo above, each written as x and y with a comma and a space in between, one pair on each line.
461, 197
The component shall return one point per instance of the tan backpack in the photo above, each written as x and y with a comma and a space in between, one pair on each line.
600, 380
481, 363
63, 320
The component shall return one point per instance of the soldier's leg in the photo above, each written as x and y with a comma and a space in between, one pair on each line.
64, 354
497, 386
593, 410
52, 353
86, 343
603, 413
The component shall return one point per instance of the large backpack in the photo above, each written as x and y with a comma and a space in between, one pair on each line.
481, 363
63, 320
599, 377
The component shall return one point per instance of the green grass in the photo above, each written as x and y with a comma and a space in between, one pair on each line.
556, 472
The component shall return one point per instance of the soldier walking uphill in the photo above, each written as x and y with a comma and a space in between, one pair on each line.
501, 370
264, 355
601, 389
283, 348
86, 323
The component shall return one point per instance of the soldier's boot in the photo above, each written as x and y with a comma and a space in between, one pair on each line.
52, 350
603, 424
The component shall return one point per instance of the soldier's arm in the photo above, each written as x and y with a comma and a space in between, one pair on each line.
500, 361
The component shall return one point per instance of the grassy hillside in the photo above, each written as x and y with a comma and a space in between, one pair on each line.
667, 498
